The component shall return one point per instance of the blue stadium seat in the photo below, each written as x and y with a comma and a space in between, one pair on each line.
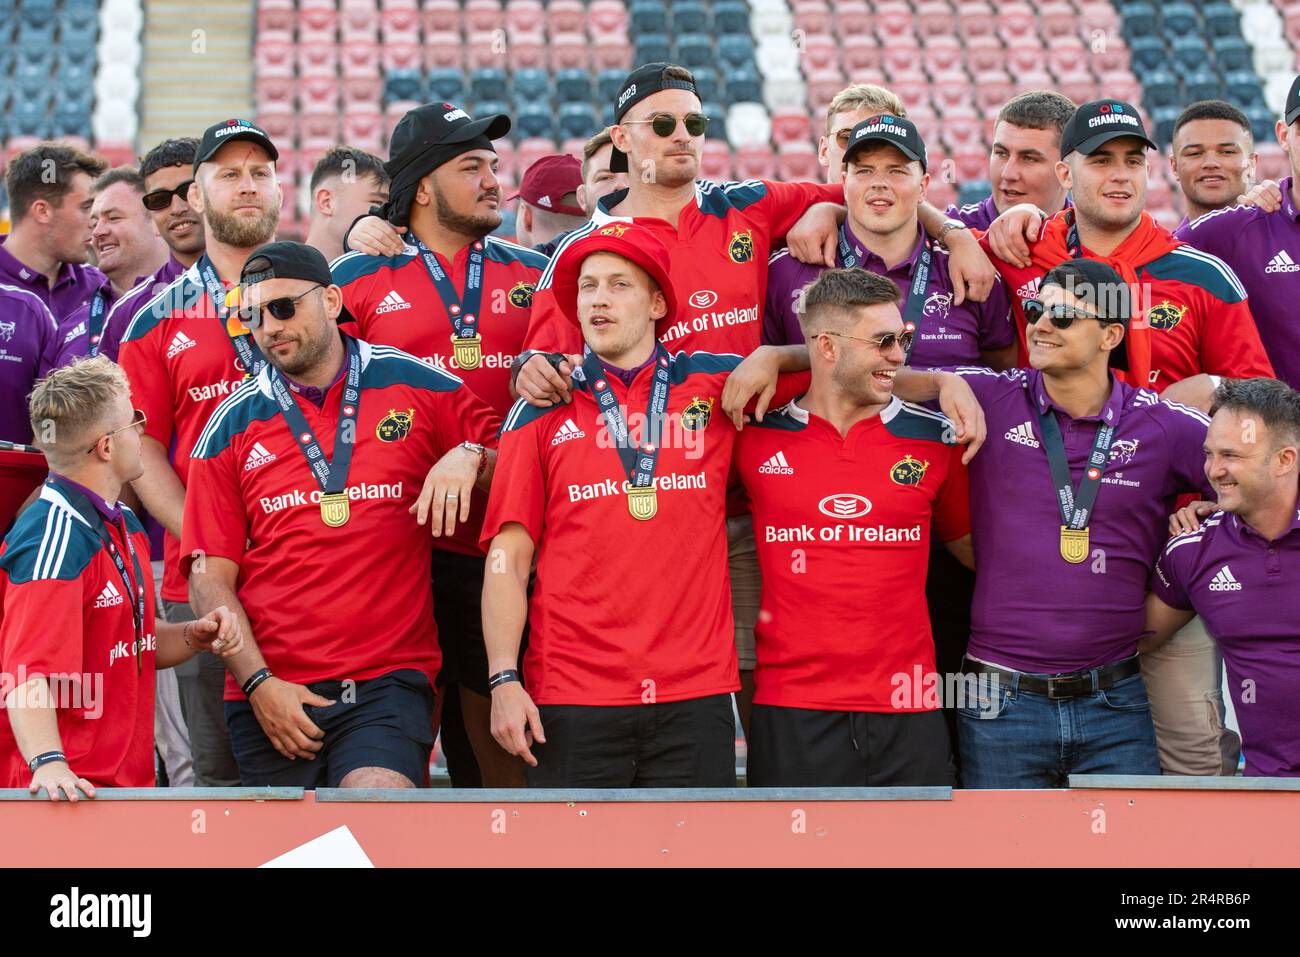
744, 85
646, 17
37, 12
74, 86
652, 47
607, 116
736, 50
609, 82
1243, 88
976, 191
706, 82
1139, 19
1188, 53
690, 16
577, 121
531, 85
77, 8
532, 119
1160, 88
1147, 53
36, 57
30, 81
1221, 20
1203, 85
73, 74
1164, 119
447, 84
36, 34
717, 114
78, 34
1261, 121
694, 50
730, 16
489, 108
1178, 19
80, 16
488, 83
573, 86
1232, 54
29, 118
407, 84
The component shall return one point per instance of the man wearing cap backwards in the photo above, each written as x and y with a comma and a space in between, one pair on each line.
186, 350
548, 202
459, 299
1064, 554
299, 518
844, 483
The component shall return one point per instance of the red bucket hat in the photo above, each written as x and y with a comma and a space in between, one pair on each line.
635, 244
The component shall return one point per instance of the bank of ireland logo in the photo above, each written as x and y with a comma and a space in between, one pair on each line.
741, 247
909, 471
844, 505
395, 426
521, 294
696, 415
703, 298
1165, 315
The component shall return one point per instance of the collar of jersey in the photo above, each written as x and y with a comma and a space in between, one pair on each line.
1110, 412
1245, 529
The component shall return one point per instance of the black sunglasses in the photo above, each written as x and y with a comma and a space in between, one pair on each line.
1062, 316
283, 308
159, 199
665, 124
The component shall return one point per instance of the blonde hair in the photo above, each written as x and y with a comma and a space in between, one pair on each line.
864, 96
69, 402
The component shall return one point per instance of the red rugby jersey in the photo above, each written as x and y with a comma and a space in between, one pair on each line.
625, 611
181, 364
718, 251
331, 603
843, 532
395, 303
66, 611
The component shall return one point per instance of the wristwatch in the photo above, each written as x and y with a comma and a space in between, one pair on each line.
948, 226
478, 450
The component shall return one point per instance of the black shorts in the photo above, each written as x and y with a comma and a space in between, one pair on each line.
386, 722
801, 748
458, 610
677, 744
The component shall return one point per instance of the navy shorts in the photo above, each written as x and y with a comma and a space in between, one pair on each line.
387, 722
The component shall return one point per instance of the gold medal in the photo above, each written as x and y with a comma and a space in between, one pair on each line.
334, 508
1074, 545
641, 502
468, 351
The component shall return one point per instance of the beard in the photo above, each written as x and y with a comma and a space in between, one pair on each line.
242, 233
310, 353
457, 222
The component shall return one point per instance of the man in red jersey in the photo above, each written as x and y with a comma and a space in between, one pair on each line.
844, 484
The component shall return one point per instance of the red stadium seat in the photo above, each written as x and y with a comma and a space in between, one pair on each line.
402, 56
941, 193
994, 89
362, 92
820, 53
574, 147
984, 54
754, 162
318, 131
952, 91
483, 16
274, 58
117, 153
360, 58
943, 54
900, 55
526, 50
611, 51
525, 16
813, 17
393, 114
443, 51
1025, 55
566, 16
533, 149
1124, 86
486, 50
318, 94
790, 125
715, 161
911, 87
318, 59
970, 163
854, 18
1066, 53
1016, 21
275, 15
1273, 163
923, 115
1099, 16
278, 121
1058, 19
569, 51
606, 17
893, 21
797, 162
354, 26
401, 25
822, 88
1080, 86
507, 160
273, 89
933, 19
859, 53
1109, 55
962, 130
975, 19
441, 16
364, 129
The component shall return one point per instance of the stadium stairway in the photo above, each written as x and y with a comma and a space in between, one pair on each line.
210, 45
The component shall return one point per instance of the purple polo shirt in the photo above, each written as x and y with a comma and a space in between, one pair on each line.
1247, 590
981, 215
1263, 249
947, 335
1034, 611
110, 513
71, 291
121, 312
74, 330
29, 347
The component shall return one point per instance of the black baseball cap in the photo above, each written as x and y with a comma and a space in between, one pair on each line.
1103, 289
642, 82
1098, 122
893, 130
287, 260
1293, 102
219, 134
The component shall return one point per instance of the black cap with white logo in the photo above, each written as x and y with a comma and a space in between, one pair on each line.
219, 134
1293, 102
640, 83
893, 130
1096, 123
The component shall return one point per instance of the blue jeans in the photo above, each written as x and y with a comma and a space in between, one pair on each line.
1020, 739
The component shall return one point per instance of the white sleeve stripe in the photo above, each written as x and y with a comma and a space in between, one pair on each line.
921, 410
50, 518
544, 282
239, 396
63, 545
1182, 540
54, 545
388, 352
1214, 212
1196, 414
1229, 276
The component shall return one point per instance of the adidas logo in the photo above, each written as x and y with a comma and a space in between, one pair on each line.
258, 456
569, 430
776, 465
392, 302
180, 342
110, 596
544, 201
1282, 262
1029, 290
1024, 434
1223, 581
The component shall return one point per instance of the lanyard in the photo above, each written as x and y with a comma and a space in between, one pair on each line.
461, 310
332, 477
136, 590
1072, 240
638, 461
916, 295
98, 309
245, 348
1075, 506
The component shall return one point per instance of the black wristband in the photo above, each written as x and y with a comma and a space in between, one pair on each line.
47, 757
503, 678
554, 358
255, 679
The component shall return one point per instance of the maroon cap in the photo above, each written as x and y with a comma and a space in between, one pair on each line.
548, 181
634, 243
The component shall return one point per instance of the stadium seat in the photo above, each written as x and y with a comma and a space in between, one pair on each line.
609, 82
577, 121
961, 130
319, 59
715, 161
730, 16
1273, 162
1058, 18
277, 119
607, 17
1110, 57
1178, 19
484, 50
717, 115
1242, 87
483, 16
821, 53
1147, 54
975, 19
756, 161
364, 130
813, 17
791, 126
611, 51
744, 86
1139, 19
320, 94
1025, 55
797, 162
900, 55
570, 51
694, 50
1016, 21
736, 50
1164, 118
440, 16
487, 108
706, 82
894, 21
361, 93
403, 84
983, 54
954, 91
534, 120
1261, 122
566, 16
531, 86
488, 84
273, 15
822, 88
400, 56
690, 16
933, 19
1202, 85
527, 50
647, 17
859, 54
992, 90
572, 86
531, 150
1188, 53
446, 84
652, 47
1081, 86
1232, 54
525, 16
443, 51
1221, 20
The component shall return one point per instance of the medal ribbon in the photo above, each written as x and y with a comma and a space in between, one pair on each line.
916, 295
638, 461
331, 477
98, 309
245, 348
1075, 506
461, 310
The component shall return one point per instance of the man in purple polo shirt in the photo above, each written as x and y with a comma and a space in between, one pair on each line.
885, 179
1060, 584
167, 170
1213, 157
46, 250
128, 250
1240, 570
29, 346
1263, 249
